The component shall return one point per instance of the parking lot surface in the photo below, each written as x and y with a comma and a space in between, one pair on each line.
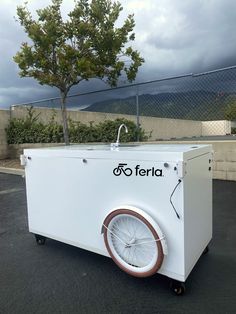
59, 278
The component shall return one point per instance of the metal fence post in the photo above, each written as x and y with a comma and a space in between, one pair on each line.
137, 114
11, 111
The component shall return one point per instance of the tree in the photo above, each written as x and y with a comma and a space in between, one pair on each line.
230, 110
86, 45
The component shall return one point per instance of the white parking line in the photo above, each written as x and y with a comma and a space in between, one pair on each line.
10, 191
12, 171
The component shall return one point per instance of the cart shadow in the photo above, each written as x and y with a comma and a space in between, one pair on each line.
210, 271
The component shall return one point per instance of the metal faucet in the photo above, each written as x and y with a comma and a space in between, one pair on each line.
117, 143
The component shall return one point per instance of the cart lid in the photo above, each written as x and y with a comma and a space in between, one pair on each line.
128, 151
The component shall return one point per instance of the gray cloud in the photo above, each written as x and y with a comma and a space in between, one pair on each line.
190, 36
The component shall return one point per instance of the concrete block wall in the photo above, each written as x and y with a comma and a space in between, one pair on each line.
220, 127
225, 160
161, 128
4, 120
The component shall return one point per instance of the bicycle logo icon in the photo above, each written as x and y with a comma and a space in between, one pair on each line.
122, 169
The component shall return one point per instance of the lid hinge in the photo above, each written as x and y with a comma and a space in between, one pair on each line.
23, 160
181, 169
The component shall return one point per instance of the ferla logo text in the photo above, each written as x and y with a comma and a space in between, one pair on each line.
136, 171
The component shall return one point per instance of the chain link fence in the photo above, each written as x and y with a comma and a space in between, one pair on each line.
199, 105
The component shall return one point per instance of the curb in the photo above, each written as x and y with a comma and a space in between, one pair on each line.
19, 172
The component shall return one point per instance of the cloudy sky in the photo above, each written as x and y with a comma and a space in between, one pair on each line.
174, 36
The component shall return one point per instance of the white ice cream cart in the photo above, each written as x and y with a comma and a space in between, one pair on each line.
148, 207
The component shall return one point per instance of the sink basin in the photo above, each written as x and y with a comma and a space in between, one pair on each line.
114, 146
128, 145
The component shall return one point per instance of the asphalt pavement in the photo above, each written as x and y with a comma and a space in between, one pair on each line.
59, 278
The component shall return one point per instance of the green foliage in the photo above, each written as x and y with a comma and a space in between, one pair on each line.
82, 133
230, 111
107, 131
86, 45
30, 130
52, 132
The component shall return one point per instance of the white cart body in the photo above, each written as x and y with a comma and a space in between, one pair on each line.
71, 190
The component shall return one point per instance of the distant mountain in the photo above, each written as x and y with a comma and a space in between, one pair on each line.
192, 105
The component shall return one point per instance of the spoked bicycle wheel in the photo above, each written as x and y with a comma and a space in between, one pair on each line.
133, 243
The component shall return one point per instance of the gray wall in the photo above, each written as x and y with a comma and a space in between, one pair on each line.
159, 128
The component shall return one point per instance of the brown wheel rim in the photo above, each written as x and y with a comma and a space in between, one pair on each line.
158, 246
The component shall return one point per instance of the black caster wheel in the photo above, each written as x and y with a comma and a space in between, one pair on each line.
177, 287
206, 250
40, 240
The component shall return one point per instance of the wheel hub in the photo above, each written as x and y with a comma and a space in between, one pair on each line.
130, 243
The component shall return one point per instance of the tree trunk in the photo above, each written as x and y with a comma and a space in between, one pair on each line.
64, 118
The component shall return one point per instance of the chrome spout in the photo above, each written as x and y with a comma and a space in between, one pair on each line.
117, 143
118, 135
